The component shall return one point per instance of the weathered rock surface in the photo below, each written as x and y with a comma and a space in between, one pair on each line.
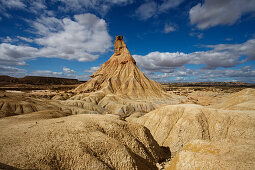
77, 142
16, 104
200, 154
119, 87
120, 75
206, 138
243, 100
177, 125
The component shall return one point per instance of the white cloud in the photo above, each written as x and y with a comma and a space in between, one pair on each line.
244, 74
169, 28
83, 38
161, 62
92, 69
196, 34
100, 6
151, 8
146, 10
168, 4
221, 55
15, 55
32, 6
7, 39
47, 73
78, 6
219, 12
68, 70
47, 25
25, 39
84, 77
12, 71
12, 4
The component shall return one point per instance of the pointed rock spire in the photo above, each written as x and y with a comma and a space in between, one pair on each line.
120, 75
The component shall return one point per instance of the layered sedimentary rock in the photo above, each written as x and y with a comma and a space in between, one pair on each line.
77, 142
120, 87
200, 137
242, 100
200, 154
177, 125
120, 76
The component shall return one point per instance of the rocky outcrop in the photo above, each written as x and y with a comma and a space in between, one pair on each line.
177, 125
242, 100
37, 80
77, 142
200, 154
120, 87
120, 76
16, 104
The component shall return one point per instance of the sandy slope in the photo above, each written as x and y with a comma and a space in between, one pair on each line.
77, 142
207, 138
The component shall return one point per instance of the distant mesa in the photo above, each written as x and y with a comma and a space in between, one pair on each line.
37, 80
120, 75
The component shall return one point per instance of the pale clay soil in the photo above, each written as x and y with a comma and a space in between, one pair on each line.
120, 119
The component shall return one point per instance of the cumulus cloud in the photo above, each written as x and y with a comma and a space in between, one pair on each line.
83, 77
243, 74
161, 62
12, 71
49, 73
146, 10
219, 12
68, 70
15, 55
92, 69
153, 8
221, 55
83, 38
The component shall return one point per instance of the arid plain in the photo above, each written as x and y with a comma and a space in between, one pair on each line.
120, 119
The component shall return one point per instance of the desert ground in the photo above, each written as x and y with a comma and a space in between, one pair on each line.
120, 119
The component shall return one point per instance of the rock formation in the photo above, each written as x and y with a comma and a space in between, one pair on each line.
243, 100
120, 76
205, 137
77, 142
201, 154
177, 125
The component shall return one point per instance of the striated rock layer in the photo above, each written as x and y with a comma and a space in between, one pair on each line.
177, 125
120, 75
200, 137
77, 142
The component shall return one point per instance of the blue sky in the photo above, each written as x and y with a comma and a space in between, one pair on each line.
171, 40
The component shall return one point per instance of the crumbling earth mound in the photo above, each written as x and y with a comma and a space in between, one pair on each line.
120, 76
120, 87
177, 125
77, 142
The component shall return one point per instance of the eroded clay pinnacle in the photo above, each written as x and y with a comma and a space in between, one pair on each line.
119, 45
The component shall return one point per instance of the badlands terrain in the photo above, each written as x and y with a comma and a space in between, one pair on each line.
120, 119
